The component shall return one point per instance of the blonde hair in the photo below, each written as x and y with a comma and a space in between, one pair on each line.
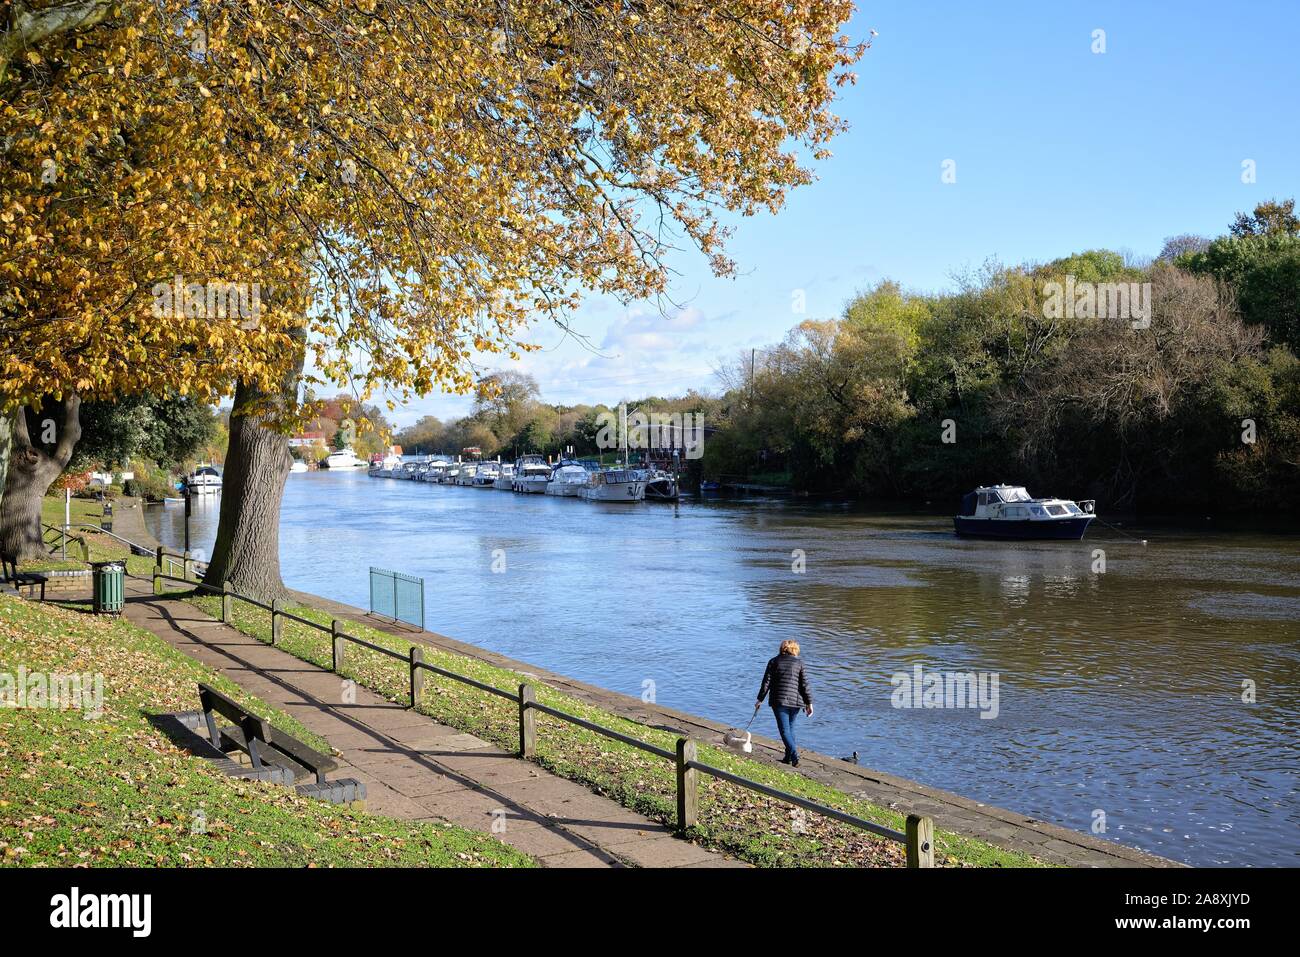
790, 647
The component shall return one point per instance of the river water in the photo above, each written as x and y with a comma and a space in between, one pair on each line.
1119, 696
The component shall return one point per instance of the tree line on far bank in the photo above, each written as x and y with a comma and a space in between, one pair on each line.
921, 397
924, 396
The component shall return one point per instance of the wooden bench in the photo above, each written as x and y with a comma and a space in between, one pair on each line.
275, 755
9, 569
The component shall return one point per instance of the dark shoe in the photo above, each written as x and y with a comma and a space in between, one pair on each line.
794, 762
785, 760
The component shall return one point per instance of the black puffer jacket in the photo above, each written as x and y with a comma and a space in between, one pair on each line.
786, 680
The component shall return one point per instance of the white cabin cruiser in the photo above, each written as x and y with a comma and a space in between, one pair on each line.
487, 474
532, 475
204, 478
468, 470
505, 479
613, 485
1008, 511
342, 459
567, 480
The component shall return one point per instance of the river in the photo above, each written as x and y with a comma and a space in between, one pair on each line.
1119, 697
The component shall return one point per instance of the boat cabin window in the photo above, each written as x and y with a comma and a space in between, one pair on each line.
1057, 510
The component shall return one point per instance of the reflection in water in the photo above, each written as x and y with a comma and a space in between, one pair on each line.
1119, 692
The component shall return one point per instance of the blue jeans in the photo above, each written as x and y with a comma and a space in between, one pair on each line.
785, 727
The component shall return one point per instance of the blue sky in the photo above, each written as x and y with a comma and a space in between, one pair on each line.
1056, 149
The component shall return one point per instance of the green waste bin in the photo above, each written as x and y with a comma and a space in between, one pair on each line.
108, 582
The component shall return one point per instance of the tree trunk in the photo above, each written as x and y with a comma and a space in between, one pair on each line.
6, 446
33, 466
247, 551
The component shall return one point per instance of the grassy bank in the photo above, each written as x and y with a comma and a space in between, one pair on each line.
759, 830
99, 547
114, 791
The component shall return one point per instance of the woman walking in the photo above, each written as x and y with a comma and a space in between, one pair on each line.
788, 684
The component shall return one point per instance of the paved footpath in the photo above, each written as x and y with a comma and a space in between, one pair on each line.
417, 769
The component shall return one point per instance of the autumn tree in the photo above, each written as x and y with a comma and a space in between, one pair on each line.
504, 401
469, 168
426, 179
119, 198
1270, 218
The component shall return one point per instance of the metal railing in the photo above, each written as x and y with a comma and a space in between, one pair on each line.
61, 544
136, 547
397, 596
918, 836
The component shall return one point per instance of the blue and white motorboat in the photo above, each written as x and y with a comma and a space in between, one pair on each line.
1008, 511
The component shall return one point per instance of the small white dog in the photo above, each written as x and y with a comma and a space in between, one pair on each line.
740, 740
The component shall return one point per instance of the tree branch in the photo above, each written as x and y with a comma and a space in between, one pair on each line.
27, 27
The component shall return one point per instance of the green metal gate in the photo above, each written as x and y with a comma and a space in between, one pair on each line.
397, 596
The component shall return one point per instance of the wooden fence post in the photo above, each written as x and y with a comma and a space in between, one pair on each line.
920, 841
189, 572
417, 674
338, 644
527, 722
227, 603
277, 623
688, 791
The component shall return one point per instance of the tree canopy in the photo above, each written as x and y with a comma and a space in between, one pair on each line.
425, 178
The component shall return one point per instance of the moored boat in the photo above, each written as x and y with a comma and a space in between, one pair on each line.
204, 478
660, 486
1010, 512
505, 478
385, 466
342, 459
567, 479
613, 485
532, 475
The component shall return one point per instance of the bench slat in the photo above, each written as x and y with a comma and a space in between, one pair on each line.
249, 725
302, 753
270, 756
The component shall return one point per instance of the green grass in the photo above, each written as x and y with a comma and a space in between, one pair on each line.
114, 791
734, 819
98, 547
